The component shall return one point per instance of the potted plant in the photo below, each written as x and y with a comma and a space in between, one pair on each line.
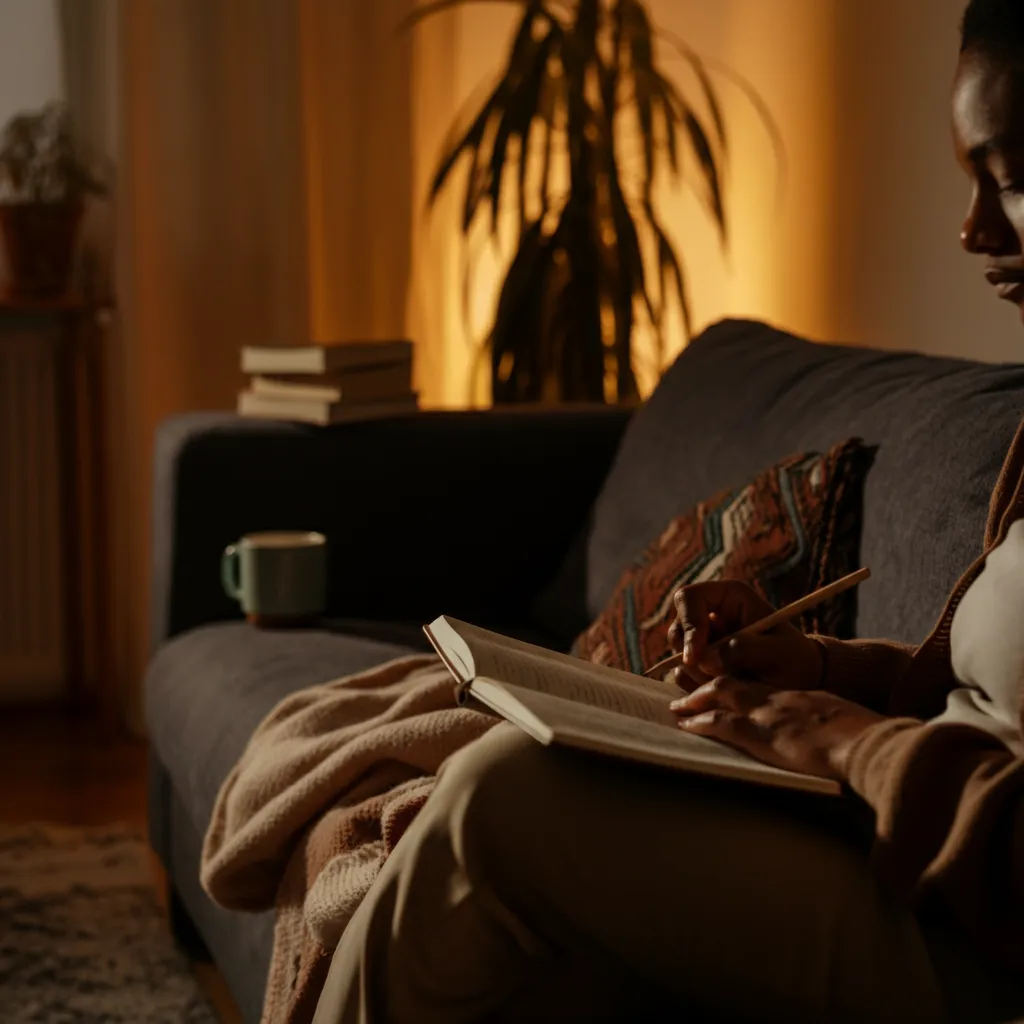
44, 179
582, 87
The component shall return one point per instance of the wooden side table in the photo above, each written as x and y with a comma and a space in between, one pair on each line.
81, 433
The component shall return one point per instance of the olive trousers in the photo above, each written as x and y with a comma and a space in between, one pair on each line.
547, 884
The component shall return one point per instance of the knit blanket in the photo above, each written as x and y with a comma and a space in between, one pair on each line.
324, 790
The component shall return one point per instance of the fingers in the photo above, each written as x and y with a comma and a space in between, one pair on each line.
706, 664
694, 676
722, 694
750, 655
686, 677
711, 663
680, 678
694, 624
721, 710
675, 634
754, 656
709, 610
728, 726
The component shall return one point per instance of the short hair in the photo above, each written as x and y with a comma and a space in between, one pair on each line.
994, 27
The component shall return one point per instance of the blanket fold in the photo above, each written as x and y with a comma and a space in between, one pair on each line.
325, 788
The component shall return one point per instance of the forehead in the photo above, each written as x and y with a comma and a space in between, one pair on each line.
988, 106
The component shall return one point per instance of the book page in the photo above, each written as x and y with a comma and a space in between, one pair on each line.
571, 683
550, 668
452, 648
553, 720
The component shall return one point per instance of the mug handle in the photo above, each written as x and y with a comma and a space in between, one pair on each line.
230, 572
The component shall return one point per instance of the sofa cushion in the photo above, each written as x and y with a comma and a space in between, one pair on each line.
743, 395
208, 689
792, 529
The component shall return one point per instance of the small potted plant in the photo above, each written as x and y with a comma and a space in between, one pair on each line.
44, 180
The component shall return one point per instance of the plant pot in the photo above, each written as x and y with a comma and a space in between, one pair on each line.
39, 239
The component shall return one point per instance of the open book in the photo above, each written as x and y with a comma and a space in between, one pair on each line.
559, 699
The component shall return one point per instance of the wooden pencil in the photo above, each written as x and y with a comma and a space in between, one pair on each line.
790, 611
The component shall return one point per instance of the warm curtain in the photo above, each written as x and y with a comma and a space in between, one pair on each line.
264, 196
273, 158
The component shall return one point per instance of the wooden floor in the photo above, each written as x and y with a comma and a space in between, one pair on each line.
54, 769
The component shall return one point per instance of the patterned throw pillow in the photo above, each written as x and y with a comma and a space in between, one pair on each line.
793, 529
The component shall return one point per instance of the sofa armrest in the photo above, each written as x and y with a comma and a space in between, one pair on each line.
461, 513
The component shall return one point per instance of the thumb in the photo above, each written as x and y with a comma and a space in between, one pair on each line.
752, 656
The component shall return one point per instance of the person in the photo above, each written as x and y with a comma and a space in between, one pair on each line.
540, 884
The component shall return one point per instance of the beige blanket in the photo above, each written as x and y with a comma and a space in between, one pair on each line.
325, 788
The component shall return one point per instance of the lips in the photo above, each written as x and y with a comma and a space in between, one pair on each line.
1012, 291
1009, 284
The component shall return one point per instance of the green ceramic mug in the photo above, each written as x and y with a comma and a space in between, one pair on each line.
279, 577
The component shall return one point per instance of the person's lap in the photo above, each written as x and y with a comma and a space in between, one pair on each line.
532, 866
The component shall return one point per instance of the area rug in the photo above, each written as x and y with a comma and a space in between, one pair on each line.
82, 936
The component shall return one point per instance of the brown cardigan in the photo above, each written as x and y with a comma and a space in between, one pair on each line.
949, 798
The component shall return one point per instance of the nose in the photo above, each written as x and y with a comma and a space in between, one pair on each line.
986, 229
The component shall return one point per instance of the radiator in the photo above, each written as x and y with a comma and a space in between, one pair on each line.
31, 598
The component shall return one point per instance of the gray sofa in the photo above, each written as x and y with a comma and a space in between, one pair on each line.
521, 521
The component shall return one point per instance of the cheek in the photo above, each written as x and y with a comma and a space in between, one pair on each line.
1013, 208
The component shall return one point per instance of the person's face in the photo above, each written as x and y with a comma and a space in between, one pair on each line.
988, 133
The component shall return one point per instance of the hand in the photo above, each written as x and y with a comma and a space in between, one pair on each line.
783, 657
807, 731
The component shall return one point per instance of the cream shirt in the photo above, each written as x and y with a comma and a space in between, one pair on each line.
987, 643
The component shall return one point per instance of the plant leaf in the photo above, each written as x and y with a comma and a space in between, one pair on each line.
518, 65
533, 243
671, 141
609, 74
468, 142
41, 158
699, 67
516, 330
533, 104
505, 113
414, 17
625, 281
548, 107
706, 158
754, 98
525, 75
521, 169
637, 28
630, 253
670, 271
477, 186
679, 113
670, 265
644, 100
467, 261
584, 293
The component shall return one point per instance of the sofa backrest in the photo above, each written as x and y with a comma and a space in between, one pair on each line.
744, 395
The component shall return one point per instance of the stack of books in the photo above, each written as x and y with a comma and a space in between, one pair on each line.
329, 383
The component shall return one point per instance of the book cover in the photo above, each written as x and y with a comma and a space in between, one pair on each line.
369, 384
322, 359
257, 406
